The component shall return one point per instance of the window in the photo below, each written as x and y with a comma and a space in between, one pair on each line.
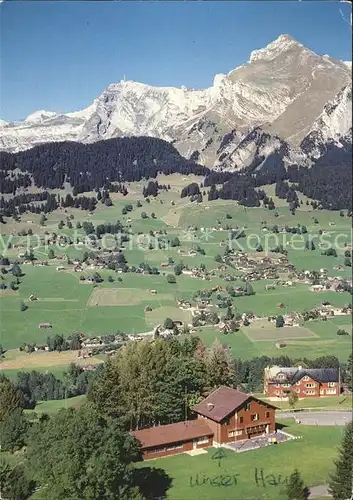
267, 414
254, 417
157, 450
202, 440
228, 421
310, 385
298, 383
306, 378
310, 392
330, 391
241, 420
234, 433
286, 385
332, 384
175, 447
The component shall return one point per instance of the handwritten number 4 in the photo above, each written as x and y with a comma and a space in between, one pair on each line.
219, 455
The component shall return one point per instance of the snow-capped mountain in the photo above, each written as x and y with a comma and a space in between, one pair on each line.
274, 98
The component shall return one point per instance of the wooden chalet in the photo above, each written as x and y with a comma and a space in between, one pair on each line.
225, 416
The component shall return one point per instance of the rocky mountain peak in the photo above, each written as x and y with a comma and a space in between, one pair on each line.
281, 44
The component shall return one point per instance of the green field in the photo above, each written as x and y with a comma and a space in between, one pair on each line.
56, 404
71, 305
324, 341
313, 456
332, 402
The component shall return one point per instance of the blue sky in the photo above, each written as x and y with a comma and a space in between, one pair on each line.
59, 56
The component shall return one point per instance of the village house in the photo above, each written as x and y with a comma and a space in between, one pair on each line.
278, 381
45, 325
291, 319
226, 415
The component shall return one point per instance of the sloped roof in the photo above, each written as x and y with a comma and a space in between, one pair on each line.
172, 433
294, 374
318, 374
223, 401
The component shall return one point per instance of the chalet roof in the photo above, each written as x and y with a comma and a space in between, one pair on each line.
294, 374
223, 401
172, 433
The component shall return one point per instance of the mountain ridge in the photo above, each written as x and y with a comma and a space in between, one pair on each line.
282, 90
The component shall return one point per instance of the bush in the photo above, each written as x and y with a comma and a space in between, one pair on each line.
23, 307
341, 332
279, 322
168, 323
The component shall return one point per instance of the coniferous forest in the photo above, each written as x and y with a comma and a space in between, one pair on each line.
92, 167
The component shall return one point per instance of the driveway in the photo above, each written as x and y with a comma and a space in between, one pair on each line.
318, 417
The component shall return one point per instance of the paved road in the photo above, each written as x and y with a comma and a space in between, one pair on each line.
319, 417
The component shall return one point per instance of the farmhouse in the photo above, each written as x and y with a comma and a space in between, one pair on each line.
305, 382
225, 416
45, 325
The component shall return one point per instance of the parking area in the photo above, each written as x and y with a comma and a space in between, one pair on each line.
319, 417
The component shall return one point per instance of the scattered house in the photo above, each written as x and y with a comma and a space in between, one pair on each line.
32, 298
89, 368
148, 309
270, 287
291, 319
153, 292
313, 382
41, 347
338, 268
164, 264
60, 268
45, 325
225, 416
317, 288
280, 345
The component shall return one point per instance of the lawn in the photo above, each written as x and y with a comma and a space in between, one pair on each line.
17, 360
158, 315
57, 404
331, 402
313, 456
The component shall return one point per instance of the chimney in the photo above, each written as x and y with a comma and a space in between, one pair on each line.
210, 406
